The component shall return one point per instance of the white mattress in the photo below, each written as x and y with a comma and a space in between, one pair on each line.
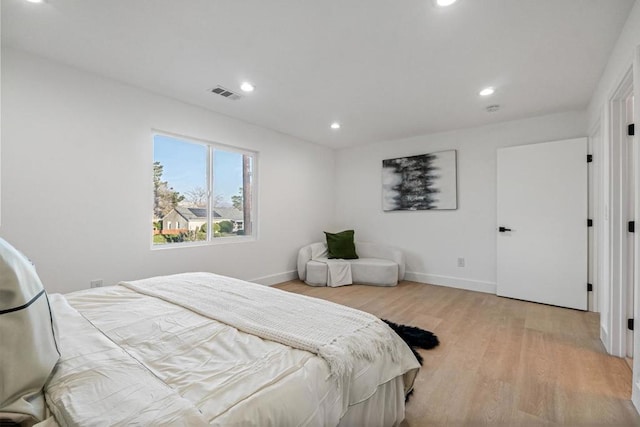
129, 359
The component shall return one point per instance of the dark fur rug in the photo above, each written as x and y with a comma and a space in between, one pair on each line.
414, 337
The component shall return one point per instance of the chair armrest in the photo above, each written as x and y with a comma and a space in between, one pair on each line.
304, 256
377, 250
307, 253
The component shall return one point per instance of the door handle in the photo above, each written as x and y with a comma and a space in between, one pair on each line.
503, 229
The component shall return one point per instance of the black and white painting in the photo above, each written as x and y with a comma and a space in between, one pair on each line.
427, 181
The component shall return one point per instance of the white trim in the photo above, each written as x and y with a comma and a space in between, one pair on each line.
595, 197
605, 231
451, 282
214, 242
599, 190
204, 141
604, 333
635, 377
431, 279
274, 279
616, 132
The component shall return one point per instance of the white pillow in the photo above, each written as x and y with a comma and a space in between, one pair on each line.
28, 352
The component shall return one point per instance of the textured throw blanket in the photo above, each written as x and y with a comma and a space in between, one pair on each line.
338, 272
338, 334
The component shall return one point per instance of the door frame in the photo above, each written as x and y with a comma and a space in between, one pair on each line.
618, 217
631, 177
597, 251
594, 194
613, 311
635, 387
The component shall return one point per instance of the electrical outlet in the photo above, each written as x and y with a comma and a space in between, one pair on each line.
95, 283
460, 262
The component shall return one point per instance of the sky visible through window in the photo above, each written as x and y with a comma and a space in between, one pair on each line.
185, 167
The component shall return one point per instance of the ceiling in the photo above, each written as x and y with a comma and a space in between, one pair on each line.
385, 69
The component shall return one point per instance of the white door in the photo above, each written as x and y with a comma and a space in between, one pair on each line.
542, 220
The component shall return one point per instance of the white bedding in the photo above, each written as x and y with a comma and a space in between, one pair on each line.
128, 358
339, 334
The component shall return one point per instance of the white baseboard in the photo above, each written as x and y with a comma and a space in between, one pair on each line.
432, 279
274, 279
635, 394
452, 282
604, 337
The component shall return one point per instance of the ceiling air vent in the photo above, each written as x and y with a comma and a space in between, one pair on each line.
219, 90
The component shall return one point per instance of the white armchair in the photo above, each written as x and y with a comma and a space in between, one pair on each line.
379, 264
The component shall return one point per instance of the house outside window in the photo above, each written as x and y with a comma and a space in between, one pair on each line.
205, 189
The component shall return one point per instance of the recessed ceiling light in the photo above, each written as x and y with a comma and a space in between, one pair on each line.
443, 3
335, 125
487, 91
35, 1
247, 87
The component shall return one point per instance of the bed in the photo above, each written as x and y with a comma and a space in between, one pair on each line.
175, 350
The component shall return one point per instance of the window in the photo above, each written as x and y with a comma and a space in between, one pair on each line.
204, 189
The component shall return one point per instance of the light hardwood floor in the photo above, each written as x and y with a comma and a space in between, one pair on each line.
501, 362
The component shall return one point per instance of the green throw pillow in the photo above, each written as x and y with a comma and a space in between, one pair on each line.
341, 245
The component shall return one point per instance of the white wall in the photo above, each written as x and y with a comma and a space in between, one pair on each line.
619, 62
433, 240
77, 189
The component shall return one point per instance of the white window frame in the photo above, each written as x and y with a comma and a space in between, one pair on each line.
211, 147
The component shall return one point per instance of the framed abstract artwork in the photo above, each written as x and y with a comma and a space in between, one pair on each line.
423, 182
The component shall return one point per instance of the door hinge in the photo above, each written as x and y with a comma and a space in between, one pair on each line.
589, 287
630, 324
631, 129
589, 223
631, 227
589, 158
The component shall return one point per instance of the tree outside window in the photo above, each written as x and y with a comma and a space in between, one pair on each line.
203, 189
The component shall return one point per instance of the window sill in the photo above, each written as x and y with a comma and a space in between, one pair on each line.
215, 242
